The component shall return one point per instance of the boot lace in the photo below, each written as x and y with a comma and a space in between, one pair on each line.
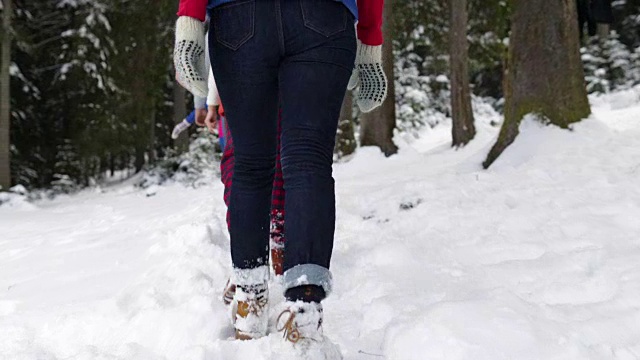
289, 328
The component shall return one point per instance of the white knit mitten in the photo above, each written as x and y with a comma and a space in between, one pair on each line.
368, 73
182, 126
189, 56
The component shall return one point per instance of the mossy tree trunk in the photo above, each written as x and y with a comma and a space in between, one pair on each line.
376, 127
346, 137
544, 74
5, 97
463, 129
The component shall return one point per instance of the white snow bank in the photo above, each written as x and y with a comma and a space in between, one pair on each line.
435, 258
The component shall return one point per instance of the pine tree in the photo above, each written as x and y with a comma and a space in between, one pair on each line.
144, 49
60, 87
5, 97
609, 64
85, 83
627, 24
463, 129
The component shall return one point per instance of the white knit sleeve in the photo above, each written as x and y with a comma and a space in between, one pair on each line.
213, 99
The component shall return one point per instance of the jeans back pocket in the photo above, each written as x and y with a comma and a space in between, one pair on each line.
234, 23
326, 17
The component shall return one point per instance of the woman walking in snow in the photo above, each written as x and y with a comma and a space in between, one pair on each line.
215, 120
299, 55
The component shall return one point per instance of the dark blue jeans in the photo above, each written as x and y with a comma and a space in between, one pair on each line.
296, 55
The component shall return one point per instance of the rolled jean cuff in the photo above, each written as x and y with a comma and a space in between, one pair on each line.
308, 274
250, 277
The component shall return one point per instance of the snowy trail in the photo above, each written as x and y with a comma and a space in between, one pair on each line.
115, 274
536, 258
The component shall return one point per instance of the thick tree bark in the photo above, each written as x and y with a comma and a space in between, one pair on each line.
179, 111
152, 134
376, 127
603, 31
463, 129
346, 137
544, 72
139, 159
5, 97
112, 165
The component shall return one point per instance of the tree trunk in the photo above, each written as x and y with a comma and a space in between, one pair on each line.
376, 127
139, 159
179, 111
544, 72
152, 134
112, 164
603, 31
346, 137
5, 97
463, 129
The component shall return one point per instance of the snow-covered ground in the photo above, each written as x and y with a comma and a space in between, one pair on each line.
435, 258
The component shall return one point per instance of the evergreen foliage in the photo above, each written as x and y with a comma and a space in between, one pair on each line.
609, 64
91, 88
92, 80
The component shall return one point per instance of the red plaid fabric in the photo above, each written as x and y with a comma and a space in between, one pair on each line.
226, 164
277, 194
277, 199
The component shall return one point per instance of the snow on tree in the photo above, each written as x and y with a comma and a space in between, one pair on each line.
544, 74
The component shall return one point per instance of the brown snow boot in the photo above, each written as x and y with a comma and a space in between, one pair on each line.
251, 313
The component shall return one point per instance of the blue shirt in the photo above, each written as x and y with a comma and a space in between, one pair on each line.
222, 138
350, 4
191, 118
